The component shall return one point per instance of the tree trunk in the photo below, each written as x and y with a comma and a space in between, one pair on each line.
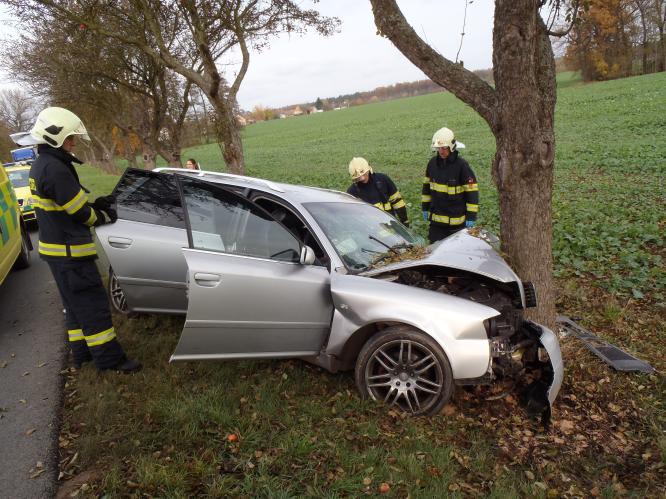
520, 112
524, 70
149, 157
228, 136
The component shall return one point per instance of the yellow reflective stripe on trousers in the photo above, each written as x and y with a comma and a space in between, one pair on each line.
76, 203
75, 335
426, 180
75, 250
443, 219
474, 208
395, 197
426, 198
91, 219
46, 204
471, 187
448, 189
100, 338
399, 204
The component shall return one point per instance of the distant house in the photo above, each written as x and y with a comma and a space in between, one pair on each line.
297, 111
241, 120
312, 109
282, 116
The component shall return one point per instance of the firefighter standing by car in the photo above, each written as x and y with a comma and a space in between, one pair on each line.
450, 195
377, 189
65, 217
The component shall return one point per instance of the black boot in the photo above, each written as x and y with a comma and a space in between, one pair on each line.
128, 366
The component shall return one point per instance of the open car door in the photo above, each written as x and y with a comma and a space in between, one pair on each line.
144, 245
249, 297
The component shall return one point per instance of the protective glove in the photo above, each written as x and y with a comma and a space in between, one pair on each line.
469, 223
425, 215
105, 216
104, 202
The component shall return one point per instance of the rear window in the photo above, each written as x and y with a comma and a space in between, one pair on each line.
148, 197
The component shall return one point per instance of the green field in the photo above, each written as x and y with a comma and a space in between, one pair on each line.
163, 432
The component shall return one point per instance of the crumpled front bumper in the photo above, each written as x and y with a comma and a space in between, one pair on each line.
551, 344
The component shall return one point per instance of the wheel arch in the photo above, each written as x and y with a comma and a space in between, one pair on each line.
352, 347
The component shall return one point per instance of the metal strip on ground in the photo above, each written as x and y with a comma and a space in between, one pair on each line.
610, 354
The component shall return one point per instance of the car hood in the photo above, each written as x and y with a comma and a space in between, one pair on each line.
460, 251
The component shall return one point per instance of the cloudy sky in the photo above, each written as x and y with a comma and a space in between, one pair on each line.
296, 69
301, 68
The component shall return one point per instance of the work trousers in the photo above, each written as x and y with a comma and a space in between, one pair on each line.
439, 232
87, 315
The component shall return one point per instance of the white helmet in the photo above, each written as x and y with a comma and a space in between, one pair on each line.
444, 138
359, 167
55, 124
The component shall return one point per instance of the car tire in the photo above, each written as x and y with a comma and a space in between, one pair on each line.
116, 295
23, 260
406, 369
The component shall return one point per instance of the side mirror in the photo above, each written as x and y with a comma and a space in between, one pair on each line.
307, 256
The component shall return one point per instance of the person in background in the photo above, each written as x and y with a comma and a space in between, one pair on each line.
192, 164
66, 244
450, 194
377, 189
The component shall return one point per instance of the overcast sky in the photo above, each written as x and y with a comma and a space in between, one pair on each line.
301, 68
295, 69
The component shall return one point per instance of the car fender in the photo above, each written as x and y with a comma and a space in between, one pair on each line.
454, 323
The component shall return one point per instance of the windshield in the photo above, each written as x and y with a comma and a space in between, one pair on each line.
19, 178
361, 233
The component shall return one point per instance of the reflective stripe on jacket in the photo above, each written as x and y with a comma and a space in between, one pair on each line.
450, 191
380, 191
61, 205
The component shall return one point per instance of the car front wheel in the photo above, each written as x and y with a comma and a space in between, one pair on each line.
405, 369
116, 295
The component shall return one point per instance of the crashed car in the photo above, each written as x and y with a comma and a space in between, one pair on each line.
271, 270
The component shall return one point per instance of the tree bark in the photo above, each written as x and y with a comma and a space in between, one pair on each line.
520, 112
228, 136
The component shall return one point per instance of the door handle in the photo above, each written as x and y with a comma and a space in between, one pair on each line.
120, 242
207, 280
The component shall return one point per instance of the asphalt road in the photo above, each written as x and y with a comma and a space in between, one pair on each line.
32, 354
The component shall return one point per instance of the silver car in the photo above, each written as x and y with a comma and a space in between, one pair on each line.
269, 270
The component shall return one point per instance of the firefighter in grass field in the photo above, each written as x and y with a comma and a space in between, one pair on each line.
377, 189
65, 217
450, 195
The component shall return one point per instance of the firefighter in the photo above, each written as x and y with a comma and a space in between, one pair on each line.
65, 217
377, 189
450, 195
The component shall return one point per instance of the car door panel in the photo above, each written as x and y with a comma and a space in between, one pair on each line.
144, 245
248, 295
149, 264
243, 307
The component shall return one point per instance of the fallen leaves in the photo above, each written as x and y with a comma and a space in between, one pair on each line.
37, 470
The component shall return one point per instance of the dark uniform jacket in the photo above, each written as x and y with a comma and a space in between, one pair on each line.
61, 205
381, 192
450, 191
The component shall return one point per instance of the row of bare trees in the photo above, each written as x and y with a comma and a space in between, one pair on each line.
617, 38
132, 65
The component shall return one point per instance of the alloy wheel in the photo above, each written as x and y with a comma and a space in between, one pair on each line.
406, 374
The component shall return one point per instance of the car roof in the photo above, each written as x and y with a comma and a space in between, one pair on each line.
293, 193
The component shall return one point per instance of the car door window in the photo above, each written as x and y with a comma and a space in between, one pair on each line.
223, 221
149, 197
